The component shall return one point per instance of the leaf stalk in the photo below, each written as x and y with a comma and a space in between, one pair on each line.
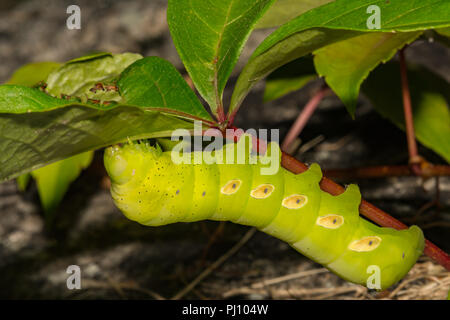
414, 158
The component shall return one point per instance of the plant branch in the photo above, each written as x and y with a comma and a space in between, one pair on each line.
231, 117
414, 157
220, 114
428, 170
303, 118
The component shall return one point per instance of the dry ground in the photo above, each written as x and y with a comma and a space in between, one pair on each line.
120, 259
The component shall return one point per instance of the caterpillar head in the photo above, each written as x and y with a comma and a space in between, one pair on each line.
142, 182
128, 166
127, 162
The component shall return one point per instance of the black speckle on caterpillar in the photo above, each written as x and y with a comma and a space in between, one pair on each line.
150, 189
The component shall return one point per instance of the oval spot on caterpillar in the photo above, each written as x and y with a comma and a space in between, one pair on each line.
295, 201
365, 244
262, 191
231, 187
330, 221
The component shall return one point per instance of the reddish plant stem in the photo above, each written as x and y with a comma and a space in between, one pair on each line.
231, 118
427, 170
368, 210
303, 118
221, 114
414, 157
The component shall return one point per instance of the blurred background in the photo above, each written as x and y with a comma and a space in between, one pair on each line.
120, 259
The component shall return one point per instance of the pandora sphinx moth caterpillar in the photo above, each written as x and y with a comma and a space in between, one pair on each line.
148, 187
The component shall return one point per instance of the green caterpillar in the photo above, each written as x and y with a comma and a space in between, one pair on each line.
148, 187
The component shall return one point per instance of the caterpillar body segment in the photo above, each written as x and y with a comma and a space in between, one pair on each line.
148, 187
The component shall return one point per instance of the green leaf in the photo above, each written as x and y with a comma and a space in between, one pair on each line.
154, 82
444, 31
37, 129
78, 76
330, 23
20, 99
442, 35
31, 74
291, 77
429, 97
209, 37
167, 144
22, 181
29, 141
283, 11
53, 180
347, 63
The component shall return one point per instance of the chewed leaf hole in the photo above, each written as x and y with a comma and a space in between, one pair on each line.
295, 201
331, 221
231, 187
262, 191
365, 244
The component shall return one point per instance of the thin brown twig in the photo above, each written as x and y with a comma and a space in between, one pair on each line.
117, 287
322, 292
288, 277
215, 265
433, 203
239, 291
426, 280
337, 145
212, 239
405, 283
131, 285
444, 224
427, 171
357, 291
303, 118
414, 158
311, 144
418, 216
